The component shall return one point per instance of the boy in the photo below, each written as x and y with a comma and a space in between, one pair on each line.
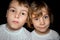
17, 14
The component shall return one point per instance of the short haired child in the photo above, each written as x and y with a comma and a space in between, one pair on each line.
41, 18
17, 14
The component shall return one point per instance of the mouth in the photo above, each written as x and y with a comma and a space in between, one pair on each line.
42, 27
16, 22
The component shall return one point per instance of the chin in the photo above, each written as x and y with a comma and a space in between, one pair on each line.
42, 31
15, 27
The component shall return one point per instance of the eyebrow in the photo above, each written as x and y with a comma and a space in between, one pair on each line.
12, 7
24, 10
45, 15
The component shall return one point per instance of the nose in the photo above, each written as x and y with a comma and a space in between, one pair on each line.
42, 22
17, 15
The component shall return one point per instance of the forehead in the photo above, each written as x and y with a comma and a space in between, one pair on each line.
15, 4
40, 12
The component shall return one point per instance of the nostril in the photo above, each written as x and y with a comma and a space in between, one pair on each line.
17, 16
42, 22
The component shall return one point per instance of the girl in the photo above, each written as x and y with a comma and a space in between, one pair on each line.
40, 17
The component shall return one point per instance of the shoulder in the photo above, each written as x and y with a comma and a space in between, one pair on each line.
2, 28
33, 33
2, 25
25, 30
54, 33
26, 33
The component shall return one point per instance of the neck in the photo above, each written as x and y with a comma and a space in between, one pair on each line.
12, 29
42, 33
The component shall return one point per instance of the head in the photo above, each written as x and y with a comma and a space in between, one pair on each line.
40, 17
17, 13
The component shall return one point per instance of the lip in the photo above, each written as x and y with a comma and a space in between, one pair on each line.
15, 22
42, 27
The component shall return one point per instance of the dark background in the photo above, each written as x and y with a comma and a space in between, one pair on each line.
53, 4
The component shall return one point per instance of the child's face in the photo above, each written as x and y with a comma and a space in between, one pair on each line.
41, 23
16, 15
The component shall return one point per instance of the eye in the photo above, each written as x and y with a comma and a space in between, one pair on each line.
36, 18
46, 16
23, 13
12, 10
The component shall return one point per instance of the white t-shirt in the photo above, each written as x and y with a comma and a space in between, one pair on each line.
6, 34
52, 35
59, 38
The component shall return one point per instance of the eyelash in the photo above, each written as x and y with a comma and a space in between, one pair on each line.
46, 17
23, 13
36, 18
12, 10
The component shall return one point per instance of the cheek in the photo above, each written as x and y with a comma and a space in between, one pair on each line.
22, 22
35, 23
9, 17
47, 22
22, 19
